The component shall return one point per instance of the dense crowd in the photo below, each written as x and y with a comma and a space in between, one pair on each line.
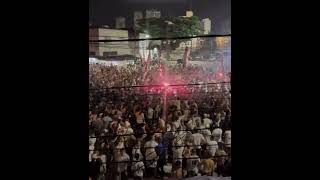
135, 133
102, 76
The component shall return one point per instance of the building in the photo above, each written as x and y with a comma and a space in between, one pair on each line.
206, 25
189, 14
136, 16
153, 14
120, 23
108, 48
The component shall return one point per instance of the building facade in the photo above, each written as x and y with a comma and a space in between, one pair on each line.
108, 48
153, 14
189, 13
137, 15
206, 25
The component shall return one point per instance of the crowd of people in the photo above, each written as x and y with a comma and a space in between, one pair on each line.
135, 134
103, 76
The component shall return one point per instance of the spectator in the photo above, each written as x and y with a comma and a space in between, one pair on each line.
94, 167
221, 159
137, 167
151, 156
136, 149
198, 139
150, 113
192, 164
207, 122
217, 134
119, 116
207, 165
122, 161
177, 171
139, 117
161, 152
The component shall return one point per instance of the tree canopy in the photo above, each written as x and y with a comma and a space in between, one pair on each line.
171, 27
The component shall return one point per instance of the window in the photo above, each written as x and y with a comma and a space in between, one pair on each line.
92, 53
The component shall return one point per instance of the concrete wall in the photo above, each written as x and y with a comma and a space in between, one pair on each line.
93, 35
121, 48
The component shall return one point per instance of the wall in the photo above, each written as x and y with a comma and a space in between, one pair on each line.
121, 48
93, 35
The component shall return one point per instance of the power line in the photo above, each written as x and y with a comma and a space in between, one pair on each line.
204, 36
170, 85
212, 157
166, 38
159, 132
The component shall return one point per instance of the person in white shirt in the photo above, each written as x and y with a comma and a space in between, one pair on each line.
191, 124
118, 145
198, 139
122, 165
192, 164
212, 145
207, 122
151, 155
177, 151
217, 134
137, 167
92, 141
150, 113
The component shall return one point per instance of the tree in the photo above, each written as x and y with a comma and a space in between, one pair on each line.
171, 27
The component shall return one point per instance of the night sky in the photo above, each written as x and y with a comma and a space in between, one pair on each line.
103, 12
